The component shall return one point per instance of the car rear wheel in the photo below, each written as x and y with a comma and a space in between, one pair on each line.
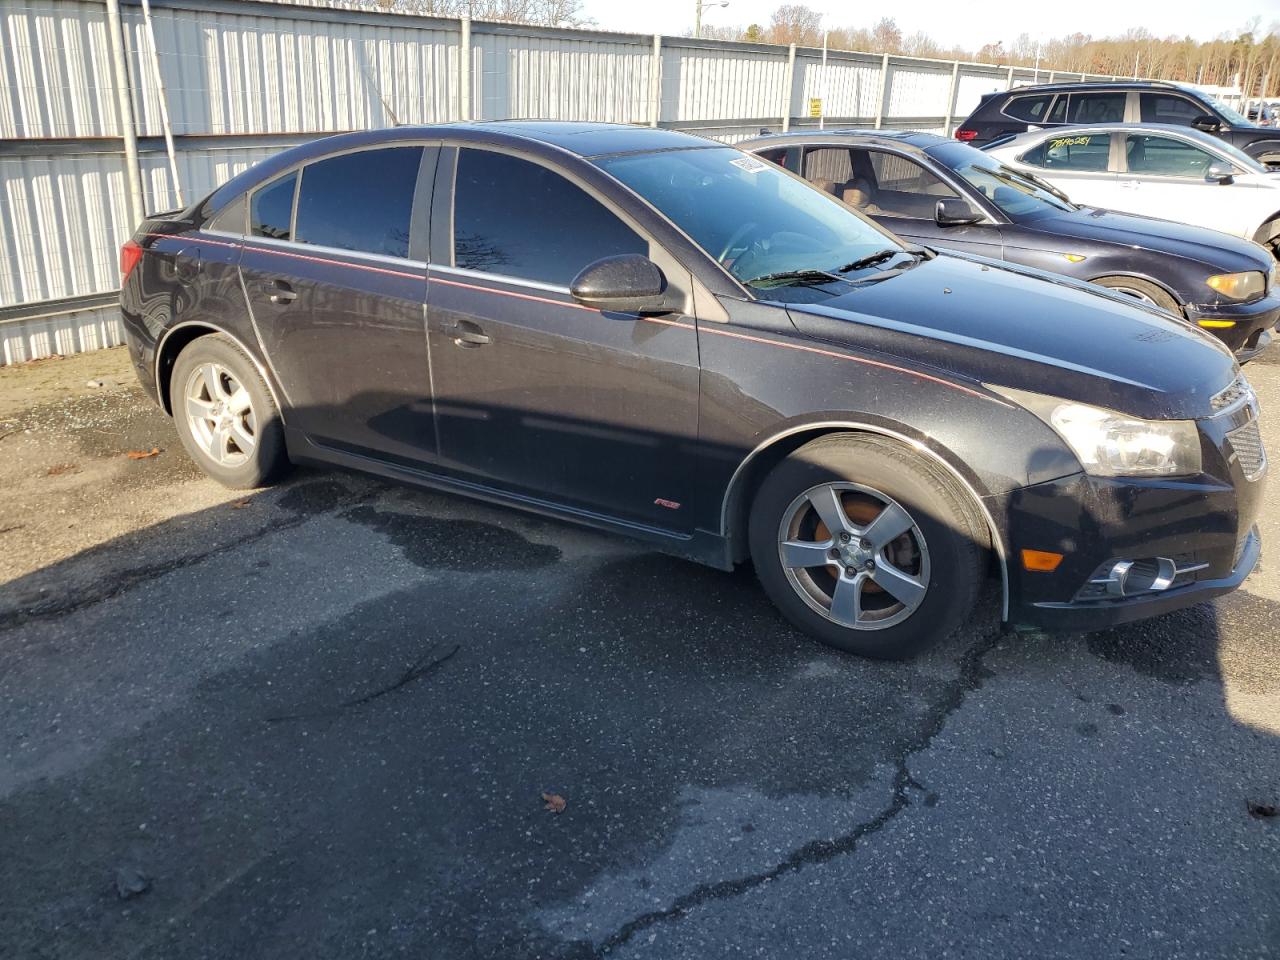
225, 415
867, 546
1143, 291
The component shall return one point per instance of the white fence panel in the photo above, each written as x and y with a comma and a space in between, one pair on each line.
710, 83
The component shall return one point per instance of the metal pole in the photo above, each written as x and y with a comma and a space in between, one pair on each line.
164, 103
124, 100
464, 71
787, 86
1009, 85
884, 90
822, 107
655, 82
951, 98
697, 19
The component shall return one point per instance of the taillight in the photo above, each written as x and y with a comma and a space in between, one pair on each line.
964, 134
130, 254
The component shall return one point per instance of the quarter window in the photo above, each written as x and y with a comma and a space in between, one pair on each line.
271, 208
359, 201
1089, 152
517, 218
1165, 108
1166, 157
1032, 109
1097, 107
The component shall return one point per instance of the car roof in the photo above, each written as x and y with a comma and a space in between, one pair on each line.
1074, 85
586, 139
912, 138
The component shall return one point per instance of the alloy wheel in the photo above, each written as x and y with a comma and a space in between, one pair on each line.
854, 555
220, 414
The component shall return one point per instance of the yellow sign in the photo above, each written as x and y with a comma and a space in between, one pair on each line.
815, 107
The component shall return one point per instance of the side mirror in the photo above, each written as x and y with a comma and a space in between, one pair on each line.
1206, 123
954, 212
629, 283
1220, 173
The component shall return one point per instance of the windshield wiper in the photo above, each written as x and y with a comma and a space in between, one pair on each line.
871, 259
785, 277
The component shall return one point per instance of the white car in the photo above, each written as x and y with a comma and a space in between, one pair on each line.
1158, 170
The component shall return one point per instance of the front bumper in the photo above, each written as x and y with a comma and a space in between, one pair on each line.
1205, 525
1252, 323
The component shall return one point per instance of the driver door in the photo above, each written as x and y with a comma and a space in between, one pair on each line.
537, 394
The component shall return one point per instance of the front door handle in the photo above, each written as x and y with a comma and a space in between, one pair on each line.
468, 334
279, 292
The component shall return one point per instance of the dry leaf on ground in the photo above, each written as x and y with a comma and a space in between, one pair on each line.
143, 454
240, 504
58, 469
555, 802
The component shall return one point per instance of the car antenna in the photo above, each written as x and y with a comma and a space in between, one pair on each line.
395, 122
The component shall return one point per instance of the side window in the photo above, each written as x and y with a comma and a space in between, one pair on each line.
517, 218
271, 208
230, 219
1032, 109
776, 155
1089, 152
1097, 107
359, 201
1165, 157
828, 168
900, 187
1059, 112
1167, 108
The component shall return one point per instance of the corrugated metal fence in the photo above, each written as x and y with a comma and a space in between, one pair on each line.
242, 79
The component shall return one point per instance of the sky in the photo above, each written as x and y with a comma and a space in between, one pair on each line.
967, 25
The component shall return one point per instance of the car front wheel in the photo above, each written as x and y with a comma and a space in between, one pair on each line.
225, 415
867, 546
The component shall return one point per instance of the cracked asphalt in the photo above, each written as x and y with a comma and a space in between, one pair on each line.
318, 720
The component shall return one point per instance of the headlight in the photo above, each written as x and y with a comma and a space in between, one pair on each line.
1239, 286
1111, 444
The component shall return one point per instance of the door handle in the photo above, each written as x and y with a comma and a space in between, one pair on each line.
1129, 184
279, 292
468, 334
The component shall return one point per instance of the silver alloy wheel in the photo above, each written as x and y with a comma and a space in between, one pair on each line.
220, 414
854, 555
1136, 294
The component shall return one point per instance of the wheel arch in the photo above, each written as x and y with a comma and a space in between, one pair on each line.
181, 335
750, 473
1145, 278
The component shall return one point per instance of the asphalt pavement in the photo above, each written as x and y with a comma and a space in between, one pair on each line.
327, 720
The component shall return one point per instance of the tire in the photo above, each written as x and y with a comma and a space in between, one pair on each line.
239, 446
942, 552
1143, 291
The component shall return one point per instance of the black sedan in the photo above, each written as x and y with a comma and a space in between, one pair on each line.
949, 195
656, 334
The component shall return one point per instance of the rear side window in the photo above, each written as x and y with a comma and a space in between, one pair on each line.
519, 219
1166, 108
271, 208
1097, 107
1032, 109
903, 188
1087, 152
1165, 157
359, 201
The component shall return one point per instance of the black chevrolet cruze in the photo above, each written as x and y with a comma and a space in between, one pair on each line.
663, 336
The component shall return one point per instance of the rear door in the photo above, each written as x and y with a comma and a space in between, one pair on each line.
535, 393
900, 193
336, 281
1081, 165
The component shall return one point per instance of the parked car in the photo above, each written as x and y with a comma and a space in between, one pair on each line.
1134, 101
656, 334
949, 195
1156, 171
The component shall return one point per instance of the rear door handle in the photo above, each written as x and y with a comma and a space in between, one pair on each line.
279, 292
468, 334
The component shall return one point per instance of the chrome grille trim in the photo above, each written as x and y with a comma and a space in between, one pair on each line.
1235, 393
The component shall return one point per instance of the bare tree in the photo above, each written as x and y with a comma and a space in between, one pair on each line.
795, 23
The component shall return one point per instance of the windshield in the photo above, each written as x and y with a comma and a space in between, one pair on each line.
761, 224
1015, 193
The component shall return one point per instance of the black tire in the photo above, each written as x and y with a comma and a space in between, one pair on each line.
266, 460
1139, 289
953, 532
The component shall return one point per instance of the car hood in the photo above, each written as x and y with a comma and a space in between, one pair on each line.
1009, 326
1221, 252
